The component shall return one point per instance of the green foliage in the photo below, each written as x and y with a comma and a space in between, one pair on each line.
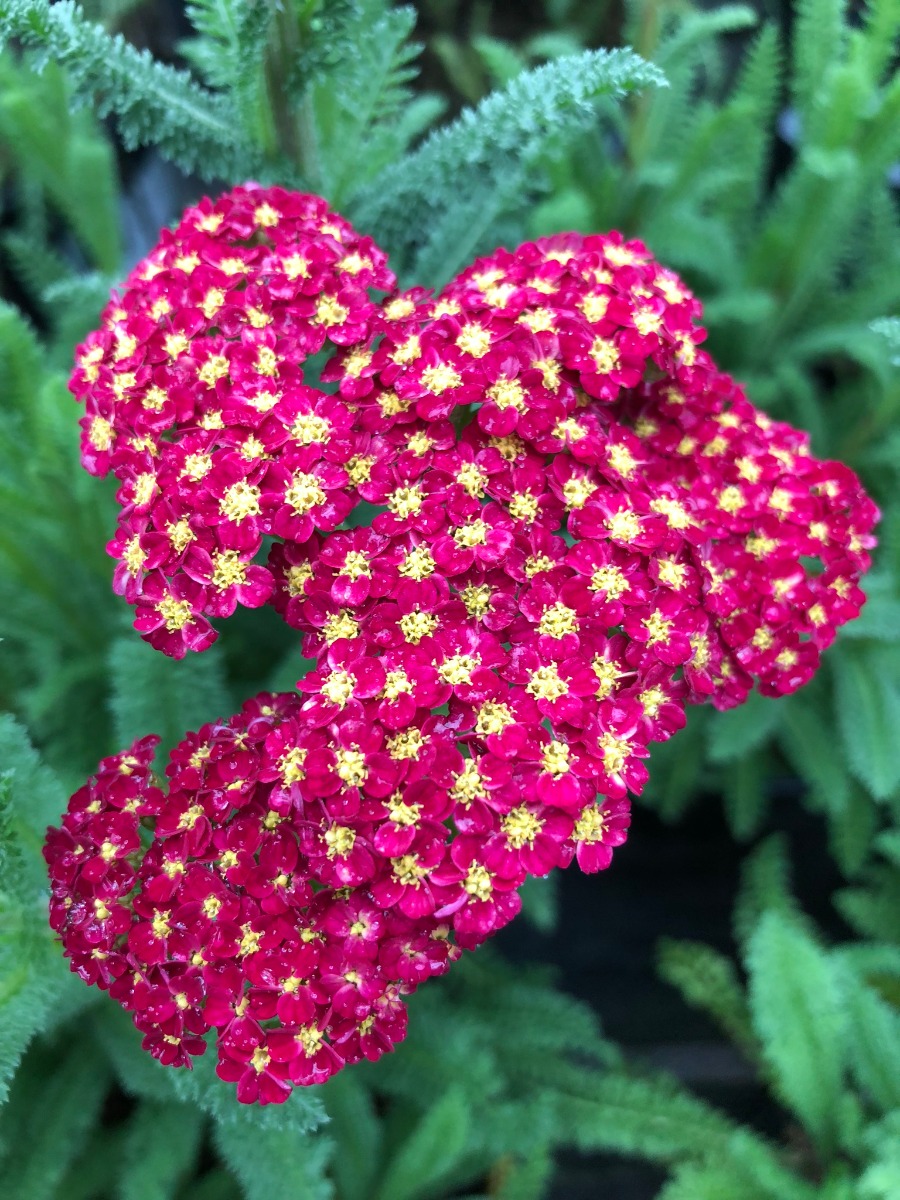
365, 125
798, 1019
36, 990
708, 980
54, 577
155, 694
52, 1107
152, 102
469, 174
270, 1164
431, 1149
62, 154
159, 1151
459, 1098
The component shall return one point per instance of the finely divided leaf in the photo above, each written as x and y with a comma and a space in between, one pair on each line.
431, 1150
152, 103
796, 1009
155, 694
484, 162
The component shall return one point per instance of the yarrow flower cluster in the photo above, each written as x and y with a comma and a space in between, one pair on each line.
519, 526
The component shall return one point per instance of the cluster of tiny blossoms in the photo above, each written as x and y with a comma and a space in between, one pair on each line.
250, 897
519, 526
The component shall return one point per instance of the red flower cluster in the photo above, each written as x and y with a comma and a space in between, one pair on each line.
196, 400
580, 525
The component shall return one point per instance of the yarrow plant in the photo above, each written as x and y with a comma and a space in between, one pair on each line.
519, 526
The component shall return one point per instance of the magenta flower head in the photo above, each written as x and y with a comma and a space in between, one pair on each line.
580, 526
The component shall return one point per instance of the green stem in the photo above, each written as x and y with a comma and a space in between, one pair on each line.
294, 126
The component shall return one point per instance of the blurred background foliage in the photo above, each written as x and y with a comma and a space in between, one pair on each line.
766, 171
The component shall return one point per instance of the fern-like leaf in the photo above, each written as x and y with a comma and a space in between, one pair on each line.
155, 694
153, 104
707, 980
796, 1010
487, 158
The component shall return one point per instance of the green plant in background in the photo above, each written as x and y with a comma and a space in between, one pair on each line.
799, 270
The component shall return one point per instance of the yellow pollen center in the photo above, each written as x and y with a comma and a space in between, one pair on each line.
605, 355
337, 688
228, 570
473, 534
359, 469
591, 825
614, 751
340, 625
471, 479
577, 491
523, 506
477, 599
521, 827
340, 840
672, 574
160, 925
558, 621
545, 683
468, 785
401, 813
652, 700
492, 718
290, 765
309, 1039
297, 577
133, 556
676, 515
249, 940
731, 499
621, 459
175, 613
309, 428
408, 744
100, 434
405, 501
305, 493
397, 683
458, 669
215, 368
399, 307
240, 501
658, 628
407, 870
594, 306
418, 563
417, 625
474, 340
611, 580
478, 882
351, 767
355, 565
329, 312
507, 393
535, 564
624, 526
555, 759
440, 378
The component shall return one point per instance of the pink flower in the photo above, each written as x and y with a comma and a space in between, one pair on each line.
533, 522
